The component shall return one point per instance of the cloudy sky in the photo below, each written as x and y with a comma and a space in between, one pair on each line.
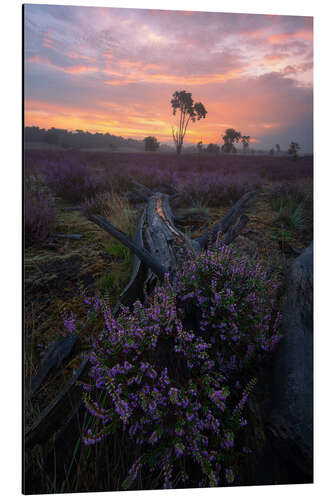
115, 70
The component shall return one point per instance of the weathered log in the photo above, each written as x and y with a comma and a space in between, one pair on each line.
77, 208
287, 456
235, 230
229, 219
54, 356
149, 259
53, 415
142, 190
64, 236
291, 418
163, 247
133, 289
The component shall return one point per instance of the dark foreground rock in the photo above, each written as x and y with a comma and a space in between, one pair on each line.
287, 456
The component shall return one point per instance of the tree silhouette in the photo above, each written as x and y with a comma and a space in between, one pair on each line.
182, 101
229, 138
277, 148
151, 143
293, 150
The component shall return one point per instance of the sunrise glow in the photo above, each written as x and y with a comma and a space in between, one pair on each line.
115, 70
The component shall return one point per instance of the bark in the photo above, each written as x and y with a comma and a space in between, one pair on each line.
53, 416
291, 419
55, 355
69, 236
229, 219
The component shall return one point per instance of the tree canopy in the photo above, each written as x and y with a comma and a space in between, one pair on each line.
186, 110
151, 143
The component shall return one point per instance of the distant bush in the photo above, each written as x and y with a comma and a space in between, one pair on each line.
39, 212
177, 382
212, 148
151, 144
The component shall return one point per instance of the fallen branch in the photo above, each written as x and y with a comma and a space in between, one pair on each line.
149, 259
54, 356
69, 236
53, 415
229, 219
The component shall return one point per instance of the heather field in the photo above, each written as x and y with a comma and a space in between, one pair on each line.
192, 417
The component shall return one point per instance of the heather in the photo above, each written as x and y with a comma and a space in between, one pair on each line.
99, 264
39, 211
212, 180
175, 375
73, 181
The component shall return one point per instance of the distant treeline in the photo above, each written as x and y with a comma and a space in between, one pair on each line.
80, 139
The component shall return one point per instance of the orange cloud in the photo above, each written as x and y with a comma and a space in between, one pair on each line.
275, 57
75, 70
284, 37
279, 38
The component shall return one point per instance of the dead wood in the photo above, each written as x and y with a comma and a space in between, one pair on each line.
133, 289
229, 219
52, 417
52, 359
64, 236
149, 259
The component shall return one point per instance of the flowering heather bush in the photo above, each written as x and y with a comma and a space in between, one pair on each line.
73, 181
39, 213
211, 180
175, 375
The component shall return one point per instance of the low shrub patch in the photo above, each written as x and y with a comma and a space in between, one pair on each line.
175, 375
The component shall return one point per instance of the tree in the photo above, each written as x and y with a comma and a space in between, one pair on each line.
212, 148
230, 137
271, 151
151, 144
278, 149
200, 147
245, 142
182, 101
293, 150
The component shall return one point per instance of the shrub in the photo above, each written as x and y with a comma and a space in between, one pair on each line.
73, 181
39, 212
99, 204
175, 375
113, 206
292, 206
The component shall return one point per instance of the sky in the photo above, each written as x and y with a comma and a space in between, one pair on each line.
115, 70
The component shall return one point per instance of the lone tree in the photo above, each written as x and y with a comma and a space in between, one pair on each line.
230, 137
293, 150
182, 101
151, 144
